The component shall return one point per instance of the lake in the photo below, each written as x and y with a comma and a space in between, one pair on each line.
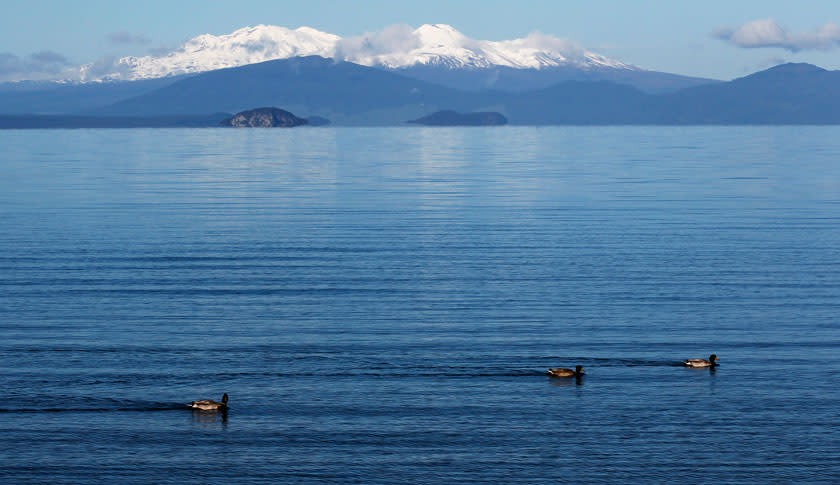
381, 304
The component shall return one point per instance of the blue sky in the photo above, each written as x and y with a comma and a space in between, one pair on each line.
693, 38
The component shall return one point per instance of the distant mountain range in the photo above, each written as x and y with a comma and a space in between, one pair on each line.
348, 93
429, 59
436, 53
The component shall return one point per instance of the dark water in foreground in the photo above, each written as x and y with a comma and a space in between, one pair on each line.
381, 305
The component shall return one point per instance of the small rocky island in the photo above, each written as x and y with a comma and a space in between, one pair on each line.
452, 118
264, 118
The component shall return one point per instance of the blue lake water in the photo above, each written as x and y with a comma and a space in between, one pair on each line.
382, 304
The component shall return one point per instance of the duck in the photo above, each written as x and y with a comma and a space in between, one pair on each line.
563, 372
209, 405
702, 362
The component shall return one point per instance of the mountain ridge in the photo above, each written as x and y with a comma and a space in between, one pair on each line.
352, 94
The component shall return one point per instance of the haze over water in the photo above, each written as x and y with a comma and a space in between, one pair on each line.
382, 304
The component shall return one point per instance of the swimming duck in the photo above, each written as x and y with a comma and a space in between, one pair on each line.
702, 362
562, 372
208, 405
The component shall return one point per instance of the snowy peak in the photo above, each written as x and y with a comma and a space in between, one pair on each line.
208, 52
440, 44
395, 47
401, 46
439, 35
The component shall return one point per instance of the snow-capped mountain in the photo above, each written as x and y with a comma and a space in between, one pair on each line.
210, 52
441, 44
395, 47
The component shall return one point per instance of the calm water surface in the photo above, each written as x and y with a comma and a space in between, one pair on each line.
381, 305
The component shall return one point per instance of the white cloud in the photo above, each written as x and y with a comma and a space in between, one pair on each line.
768, 33
548, 43
397, 38
104, 67
127, 38
38, 65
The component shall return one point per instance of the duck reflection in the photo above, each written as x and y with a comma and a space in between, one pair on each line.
577, 381
209, 419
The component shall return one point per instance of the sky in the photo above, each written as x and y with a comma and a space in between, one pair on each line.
710, 38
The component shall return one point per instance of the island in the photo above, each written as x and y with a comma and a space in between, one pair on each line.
452, 118
264, 118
